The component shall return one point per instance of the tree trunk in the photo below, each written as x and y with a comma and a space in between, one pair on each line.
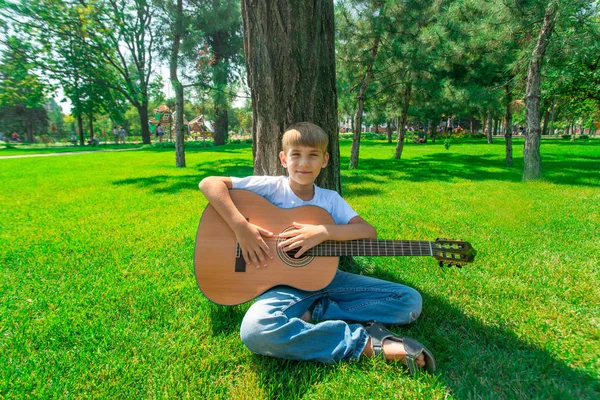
572, 131
471, 125
496, 123
360, 102
508, 130
389, 131
552, 116
489, 126
402, 122
142, 109
91, 125
545, 123
178, 88
29, 132
483, 123
290, 60
220, 72
80, 128
531, 152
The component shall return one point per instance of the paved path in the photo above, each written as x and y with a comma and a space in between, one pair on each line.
67, 153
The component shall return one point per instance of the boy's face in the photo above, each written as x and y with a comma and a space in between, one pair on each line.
304, 163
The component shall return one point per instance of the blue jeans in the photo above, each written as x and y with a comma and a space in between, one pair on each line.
272, 326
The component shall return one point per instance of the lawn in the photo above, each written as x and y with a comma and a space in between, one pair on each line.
27, 149
98, 297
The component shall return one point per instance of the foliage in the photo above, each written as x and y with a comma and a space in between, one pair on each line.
100, 52
22, 92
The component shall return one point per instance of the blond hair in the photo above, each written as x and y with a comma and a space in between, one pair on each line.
305, 134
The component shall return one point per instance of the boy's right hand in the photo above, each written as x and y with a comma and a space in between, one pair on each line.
254, 249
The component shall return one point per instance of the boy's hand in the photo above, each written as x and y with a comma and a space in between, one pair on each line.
304, 237
254, 249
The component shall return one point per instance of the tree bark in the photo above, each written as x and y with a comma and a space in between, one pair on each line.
220, 71
552, 116
178, 88
402, 122
360, 103
290, 59
496, 123
389, 131
80, 129
532, 169
489, 126
91, 125
142, 109
29, 132
508, 130
545, 123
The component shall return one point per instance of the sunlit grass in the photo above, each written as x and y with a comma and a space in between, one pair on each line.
98, 297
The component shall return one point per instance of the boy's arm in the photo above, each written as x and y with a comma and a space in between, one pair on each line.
249, 236
306, 237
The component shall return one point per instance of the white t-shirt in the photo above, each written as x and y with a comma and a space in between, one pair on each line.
276, 189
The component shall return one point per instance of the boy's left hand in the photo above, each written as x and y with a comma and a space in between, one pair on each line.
304, 237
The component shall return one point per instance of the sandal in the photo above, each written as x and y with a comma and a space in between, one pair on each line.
413, 348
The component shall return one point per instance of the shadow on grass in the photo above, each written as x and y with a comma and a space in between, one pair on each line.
448, 167
178, 183
477, 360
441, 166
474, 360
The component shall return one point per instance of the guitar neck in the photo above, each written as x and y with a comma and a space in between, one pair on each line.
373, 247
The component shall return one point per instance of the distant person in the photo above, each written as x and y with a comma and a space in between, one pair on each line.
115, 133
122, 134
93, 141
159, 132
15, 137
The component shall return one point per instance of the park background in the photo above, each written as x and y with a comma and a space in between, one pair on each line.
97, 291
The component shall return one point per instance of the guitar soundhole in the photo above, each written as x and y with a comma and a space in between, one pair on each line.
288, 257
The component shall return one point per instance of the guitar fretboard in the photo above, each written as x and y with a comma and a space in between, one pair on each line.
373, 247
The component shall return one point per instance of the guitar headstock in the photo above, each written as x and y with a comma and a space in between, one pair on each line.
453, 252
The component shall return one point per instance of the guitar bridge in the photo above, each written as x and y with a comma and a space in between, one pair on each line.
240, 263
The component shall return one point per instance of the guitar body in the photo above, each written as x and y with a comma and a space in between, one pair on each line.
221, 273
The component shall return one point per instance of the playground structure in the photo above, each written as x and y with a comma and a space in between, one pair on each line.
201, 128
198, 128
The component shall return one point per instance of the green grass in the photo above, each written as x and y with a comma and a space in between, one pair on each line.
27, 149
98, 297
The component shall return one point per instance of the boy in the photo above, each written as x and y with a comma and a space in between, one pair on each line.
278, 323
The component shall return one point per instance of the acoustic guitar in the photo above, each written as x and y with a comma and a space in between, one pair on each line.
224, 277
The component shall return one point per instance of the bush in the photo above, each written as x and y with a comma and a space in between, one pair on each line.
192, 144
476, 135
46, 139
566, 136
584, 137
366, 135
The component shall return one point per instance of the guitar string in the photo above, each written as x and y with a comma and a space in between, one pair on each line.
397, 247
